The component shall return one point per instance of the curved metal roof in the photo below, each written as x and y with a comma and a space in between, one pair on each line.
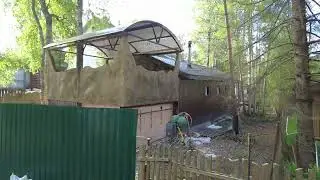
144, 37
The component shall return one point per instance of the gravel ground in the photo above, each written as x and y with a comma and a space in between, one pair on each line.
231, 146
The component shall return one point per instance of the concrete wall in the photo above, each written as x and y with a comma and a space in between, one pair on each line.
152, 121
119, 83
194, 101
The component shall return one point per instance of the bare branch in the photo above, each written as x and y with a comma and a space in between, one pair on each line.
313, 42
316, 2
315, 52
314, 16
260, 12
267, 34
313, 34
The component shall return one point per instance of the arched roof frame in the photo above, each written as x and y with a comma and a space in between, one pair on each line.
144, 37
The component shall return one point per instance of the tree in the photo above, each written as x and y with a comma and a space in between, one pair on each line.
10, 62
303, 99
231, 67
41, 21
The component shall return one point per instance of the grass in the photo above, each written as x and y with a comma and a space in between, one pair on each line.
292, 129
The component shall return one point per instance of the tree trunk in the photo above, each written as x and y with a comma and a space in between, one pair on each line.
250, 87
47, 40
234, 106
305, 146
80, 48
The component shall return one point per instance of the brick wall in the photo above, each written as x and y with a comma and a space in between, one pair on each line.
35, 81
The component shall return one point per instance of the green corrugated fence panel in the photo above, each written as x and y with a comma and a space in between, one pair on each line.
67, 143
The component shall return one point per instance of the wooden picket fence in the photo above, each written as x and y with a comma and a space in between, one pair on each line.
163, 163
11, 92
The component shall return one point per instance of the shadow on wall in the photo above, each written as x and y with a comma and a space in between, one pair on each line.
204, 109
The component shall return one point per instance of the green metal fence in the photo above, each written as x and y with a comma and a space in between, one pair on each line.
67, 143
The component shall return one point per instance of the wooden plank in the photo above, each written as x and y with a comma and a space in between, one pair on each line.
152, 163
194, 164
265, 171
276, 172
256, 171
199, 176
161, 164
235, 164
181, 163
178, 163
186, 164
174, 164
287, 174
169, 164
148, 163
165, 166
208, 166
299, 174
244, 173
151, 159
142, 153
211, 174
217, 164
311, 174
211, 164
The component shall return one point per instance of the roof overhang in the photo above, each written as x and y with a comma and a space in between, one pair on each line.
144, 37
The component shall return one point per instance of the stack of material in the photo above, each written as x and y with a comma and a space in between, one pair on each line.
14, 177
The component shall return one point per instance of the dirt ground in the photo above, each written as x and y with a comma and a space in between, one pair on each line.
232, 146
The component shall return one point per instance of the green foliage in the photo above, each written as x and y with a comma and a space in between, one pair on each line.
291, 168
64, 25
96, 23
262, 48
9, 64
292, 129
30, 47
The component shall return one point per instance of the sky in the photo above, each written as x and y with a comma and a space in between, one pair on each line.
177, 15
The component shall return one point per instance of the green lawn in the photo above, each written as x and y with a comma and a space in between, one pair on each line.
291, 129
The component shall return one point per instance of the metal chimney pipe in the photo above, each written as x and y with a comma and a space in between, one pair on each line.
189, 53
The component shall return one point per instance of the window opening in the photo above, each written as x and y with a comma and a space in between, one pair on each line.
206, 91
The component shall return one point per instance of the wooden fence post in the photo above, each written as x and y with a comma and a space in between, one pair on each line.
276, 172
178, 164
170, 163
152, 163
275, 149
287, 174
199, 176
256, 171
249, 156
194, 163
142, 155
244, 168
311, 174
235, 164
299, 174
266, 168
148, 155
187, 164
174, 164
161, 167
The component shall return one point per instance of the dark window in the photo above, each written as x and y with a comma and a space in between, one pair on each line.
206, 91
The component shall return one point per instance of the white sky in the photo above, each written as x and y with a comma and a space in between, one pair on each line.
177, 15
